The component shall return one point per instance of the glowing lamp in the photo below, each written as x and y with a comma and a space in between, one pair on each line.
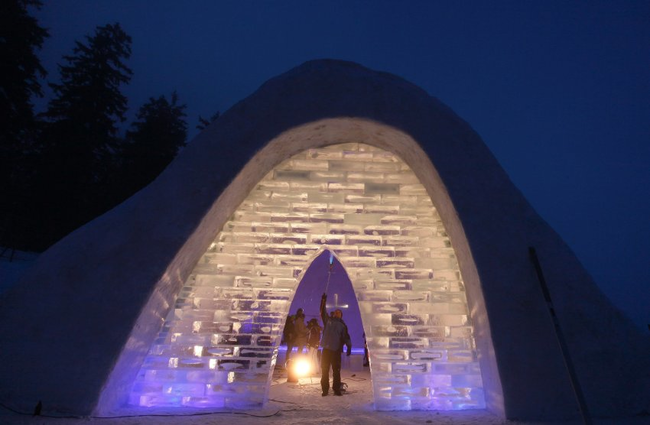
302, 367
297, 368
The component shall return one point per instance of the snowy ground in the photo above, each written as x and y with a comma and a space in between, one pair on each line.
302, 404
289, 403
12, 265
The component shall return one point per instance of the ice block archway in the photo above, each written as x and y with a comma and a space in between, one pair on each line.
218, 345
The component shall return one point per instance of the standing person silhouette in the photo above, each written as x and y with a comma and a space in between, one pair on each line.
300, 331
313, 341
335, 335
289, 335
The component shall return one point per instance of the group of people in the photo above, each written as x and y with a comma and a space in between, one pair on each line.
297, 334
335, 336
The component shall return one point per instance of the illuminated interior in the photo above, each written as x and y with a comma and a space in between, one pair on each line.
219, 344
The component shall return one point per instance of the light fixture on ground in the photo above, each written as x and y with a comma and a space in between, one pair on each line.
297, 368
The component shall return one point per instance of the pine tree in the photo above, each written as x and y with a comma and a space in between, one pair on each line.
80, 141
153, 141
20, 68
204, 123
20, 36
88, 102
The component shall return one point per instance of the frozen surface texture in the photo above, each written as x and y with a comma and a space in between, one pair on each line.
218, 346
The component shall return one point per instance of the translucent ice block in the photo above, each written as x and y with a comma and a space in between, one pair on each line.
345, 165
309, 207
404, 177
357, 188
345, 208
289, 175
363, 240
396, 262
327, 218
308, 164
290, 196
368, 176
327, 176
345, 229
255, 259
293, 217
381, 167
323, 154
287, 238
382, 209
380, 188
381, 230
393, 285
412, 189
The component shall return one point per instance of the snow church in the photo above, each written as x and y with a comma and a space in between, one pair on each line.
177, 298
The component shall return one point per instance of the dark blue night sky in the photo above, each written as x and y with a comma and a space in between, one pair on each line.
558, 90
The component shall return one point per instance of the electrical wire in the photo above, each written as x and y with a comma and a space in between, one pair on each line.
356, 378
284, 402
18, 412
190, 414
140, 416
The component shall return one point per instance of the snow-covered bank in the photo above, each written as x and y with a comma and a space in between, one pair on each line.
13, 265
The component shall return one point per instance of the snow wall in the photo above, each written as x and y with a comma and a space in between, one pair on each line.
77, 328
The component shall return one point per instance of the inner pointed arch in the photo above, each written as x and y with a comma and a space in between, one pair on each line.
327, 275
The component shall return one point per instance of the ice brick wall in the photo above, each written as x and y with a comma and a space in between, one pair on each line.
218, 345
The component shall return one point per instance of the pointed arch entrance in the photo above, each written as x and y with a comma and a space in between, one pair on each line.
325, 274
219, 343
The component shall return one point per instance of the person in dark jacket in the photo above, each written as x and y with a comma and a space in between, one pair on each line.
289, 335
313, 341
301, 332
335, 335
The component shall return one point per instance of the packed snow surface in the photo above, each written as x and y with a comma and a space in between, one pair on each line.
302, 404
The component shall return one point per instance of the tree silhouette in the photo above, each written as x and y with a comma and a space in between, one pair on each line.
204, 123
20, 36
152, 143
79, 143
88, 102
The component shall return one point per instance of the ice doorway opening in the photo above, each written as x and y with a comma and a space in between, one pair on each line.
327, 275
219, 344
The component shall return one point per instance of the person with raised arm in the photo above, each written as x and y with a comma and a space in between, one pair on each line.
335, 335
